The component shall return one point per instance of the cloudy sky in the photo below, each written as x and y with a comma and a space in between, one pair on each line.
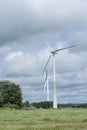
25, 27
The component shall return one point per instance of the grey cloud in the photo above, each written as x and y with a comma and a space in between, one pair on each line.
21, 18
59, 16
26, 25
79, 38
74, 94
12, 17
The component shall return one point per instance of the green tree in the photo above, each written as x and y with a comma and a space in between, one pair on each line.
47, 104
26, 104
10, 93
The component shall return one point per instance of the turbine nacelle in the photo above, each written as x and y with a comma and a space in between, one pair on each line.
46, 86
53, 52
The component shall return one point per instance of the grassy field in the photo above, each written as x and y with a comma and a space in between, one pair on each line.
43, 119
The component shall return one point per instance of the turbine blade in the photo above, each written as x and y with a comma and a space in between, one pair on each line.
63, 49
46, 76
45, 85
51, 49
47, 63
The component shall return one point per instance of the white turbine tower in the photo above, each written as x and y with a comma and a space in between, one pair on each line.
53, 53
46, 86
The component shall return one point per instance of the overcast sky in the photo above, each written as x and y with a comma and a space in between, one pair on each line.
25, 27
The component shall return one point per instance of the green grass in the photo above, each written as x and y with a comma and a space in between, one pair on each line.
43, 119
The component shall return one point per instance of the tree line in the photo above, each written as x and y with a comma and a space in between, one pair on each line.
50, 105
11, 96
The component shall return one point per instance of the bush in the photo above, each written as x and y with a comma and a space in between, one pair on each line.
11, 106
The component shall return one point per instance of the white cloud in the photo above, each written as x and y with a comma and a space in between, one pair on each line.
14, 56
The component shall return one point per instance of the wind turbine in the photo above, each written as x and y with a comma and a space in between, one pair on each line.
46, 86
53, 53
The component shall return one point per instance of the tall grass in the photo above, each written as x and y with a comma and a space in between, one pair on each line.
43, 119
